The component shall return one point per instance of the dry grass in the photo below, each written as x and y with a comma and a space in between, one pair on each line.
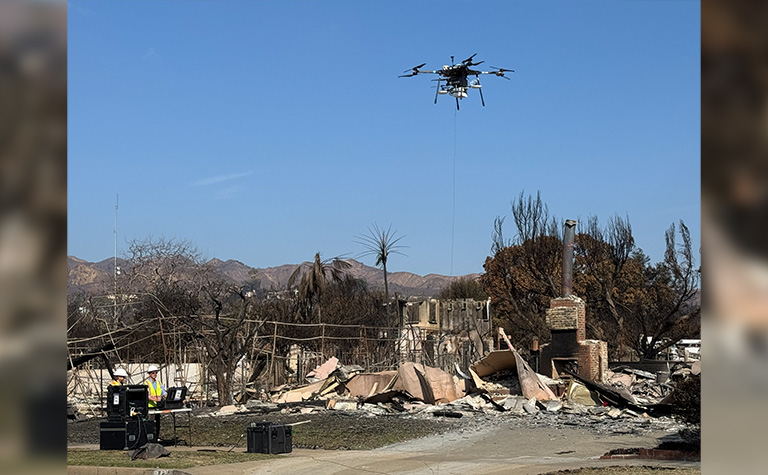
177, 459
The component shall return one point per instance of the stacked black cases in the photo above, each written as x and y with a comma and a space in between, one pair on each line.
126, 435
269, 438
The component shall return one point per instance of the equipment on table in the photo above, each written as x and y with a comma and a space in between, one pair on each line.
175, 397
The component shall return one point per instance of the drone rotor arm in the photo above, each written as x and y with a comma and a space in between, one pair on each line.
501, 71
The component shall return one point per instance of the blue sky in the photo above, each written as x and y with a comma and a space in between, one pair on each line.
268, 131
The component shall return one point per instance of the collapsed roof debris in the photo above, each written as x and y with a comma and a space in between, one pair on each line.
501, 382
515, 372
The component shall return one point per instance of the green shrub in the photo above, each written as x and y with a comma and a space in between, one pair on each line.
686, 402
686, 407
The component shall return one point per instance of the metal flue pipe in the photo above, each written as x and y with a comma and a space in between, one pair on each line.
568, 238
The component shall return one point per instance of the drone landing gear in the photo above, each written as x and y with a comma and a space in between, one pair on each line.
457, 104
481, 96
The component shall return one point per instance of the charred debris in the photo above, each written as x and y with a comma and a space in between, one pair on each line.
500, 384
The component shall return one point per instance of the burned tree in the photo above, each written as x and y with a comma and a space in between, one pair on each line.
603, 254
523, 275
670, 307
183, 294
311, 284
227, 335
381, 243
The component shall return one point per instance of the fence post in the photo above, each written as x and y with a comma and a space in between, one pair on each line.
364, 348
322, 340
272, 366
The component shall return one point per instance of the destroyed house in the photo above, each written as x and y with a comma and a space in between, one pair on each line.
442, 333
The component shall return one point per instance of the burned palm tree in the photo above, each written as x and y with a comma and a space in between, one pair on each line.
381, 243
312, 283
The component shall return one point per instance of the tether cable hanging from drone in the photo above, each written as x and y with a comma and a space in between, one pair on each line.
453, 209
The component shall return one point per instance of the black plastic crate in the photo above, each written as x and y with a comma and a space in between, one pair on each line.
269, 438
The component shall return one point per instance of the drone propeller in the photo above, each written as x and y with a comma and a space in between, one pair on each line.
501, 72
468, 62
414, 71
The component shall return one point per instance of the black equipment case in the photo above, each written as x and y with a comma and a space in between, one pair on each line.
269, 438
123, 400
175, 397
126, 435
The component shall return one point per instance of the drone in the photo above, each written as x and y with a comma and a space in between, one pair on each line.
455, 78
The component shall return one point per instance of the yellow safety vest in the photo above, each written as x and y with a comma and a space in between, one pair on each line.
115, 383
154, 391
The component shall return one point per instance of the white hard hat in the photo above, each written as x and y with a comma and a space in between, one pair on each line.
120, 372
152, 368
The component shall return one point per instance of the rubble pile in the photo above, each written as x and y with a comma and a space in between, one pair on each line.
500, 387
647, 389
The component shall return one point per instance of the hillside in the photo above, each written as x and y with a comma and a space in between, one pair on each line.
90, 277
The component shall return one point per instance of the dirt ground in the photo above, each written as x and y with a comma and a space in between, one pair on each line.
528, 445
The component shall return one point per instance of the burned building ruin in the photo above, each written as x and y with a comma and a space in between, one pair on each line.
569, 349
442, 333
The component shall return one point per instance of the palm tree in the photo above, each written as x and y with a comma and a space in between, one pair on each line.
312, 282
381, 243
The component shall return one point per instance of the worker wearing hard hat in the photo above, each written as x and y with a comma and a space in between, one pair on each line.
120, 375
156, 390
156, 395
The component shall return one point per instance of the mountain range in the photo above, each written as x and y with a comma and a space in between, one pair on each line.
97, 277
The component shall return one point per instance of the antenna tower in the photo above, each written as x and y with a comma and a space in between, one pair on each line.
114, 296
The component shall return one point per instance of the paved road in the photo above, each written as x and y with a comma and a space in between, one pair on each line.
495, 450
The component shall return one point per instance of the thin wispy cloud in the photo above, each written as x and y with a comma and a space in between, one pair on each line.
215, 180
229, 192
150, 54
